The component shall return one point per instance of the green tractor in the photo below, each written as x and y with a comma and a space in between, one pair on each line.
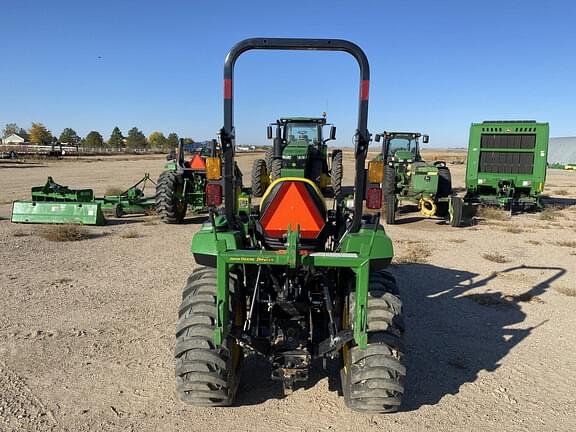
183, 184
408, 178
299, 150
291, 280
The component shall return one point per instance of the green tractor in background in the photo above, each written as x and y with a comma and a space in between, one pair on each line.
409, 178
183, 183
290, 279
299, 150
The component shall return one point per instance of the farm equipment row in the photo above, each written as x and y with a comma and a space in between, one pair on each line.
303, 275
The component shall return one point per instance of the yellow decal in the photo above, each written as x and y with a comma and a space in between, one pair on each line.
247, 259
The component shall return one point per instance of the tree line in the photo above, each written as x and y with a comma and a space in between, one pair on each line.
135, 139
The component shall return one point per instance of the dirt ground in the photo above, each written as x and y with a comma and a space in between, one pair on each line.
87, 327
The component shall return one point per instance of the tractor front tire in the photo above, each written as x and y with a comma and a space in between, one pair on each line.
260, 178
373, 378
276, 171
206, 375
337, 173
170, 208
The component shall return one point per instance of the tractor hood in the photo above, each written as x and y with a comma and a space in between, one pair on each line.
403, 156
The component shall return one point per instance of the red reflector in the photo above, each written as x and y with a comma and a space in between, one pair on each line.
292, 205
364, 89
227, 89
213, 194
374, 198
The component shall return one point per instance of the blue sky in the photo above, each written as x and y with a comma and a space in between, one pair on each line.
436, 66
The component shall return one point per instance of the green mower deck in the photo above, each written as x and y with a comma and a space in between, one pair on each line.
57, 204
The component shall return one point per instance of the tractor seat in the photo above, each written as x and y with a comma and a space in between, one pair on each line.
293, 201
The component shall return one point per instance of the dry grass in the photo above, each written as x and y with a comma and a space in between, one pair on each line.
534, 242
130, 234
416, 252
570, 292
561, 192
496, 299
150, 222
495, 257
494, 214
20, 233
523, 298
150, 211
488, 299
113, 191
548, 214
458, 240
63, 233
566, 243
514, 229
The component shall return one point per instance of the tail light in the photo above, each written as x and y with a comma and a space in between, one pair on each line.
374, 198
375, 171
213, 168
213, 194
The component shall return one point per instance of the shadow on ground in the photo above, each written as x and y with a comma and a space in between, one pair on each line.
451, 335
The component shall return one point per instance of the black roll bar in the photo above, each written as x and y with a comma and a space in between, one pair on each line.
362, 137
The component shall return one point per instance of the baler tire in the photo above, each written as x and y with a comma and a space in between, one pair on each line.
259, 177
444, 182
168, 206
205, 375
276, 171
456, 211
337, 173
373, 378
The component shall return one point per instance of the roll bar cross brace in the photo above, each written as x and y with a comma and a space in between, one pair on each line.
362, 137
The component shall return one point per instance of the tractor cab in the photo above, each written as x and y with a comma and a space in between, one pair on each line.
300, 150
402, 147
300, 145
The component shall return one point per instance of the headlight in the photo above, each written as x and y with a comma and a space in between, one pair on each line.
480, 181
526, 183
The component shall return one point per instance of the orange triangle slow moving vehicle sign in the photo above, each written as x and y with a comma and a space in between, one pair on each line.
292, 206
198, 162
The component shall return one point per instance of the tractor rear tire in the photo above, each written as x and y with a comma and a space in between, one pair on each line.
444, 183
390, 208
168, 205
373, 378
276, 171
206, 375
337, 173
260, 178
269, 157
389, 184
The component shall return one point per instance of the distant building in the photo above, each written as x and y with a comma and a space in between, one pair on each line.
15, 139
562, 150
